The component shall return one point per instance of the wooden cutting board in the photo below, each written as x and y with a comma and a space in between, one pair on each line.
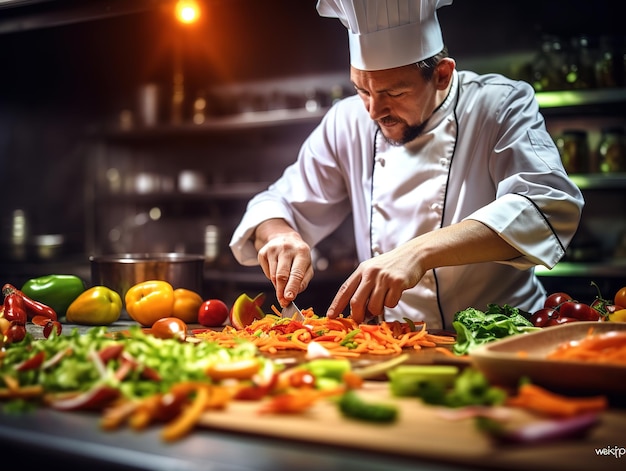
422, 432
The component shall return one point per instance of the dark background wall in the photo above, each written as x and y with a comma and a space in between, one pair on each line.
62, 74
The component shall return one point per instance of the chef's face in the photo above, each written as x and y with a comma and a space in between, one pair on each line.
400, 100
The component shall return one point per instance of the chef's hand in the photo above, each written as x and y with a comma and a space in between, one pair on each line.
380, 281
377, 283
285, 259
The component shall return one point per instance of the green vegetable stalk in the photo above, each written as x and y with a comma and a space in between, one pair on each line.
55, 291
444, 385
353, 406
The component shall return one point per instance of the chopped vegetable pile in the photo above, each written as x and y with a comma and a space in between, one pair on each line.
341, 337
138, 363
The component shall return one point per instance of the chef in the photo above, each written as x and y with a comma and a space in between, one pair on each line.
455, 187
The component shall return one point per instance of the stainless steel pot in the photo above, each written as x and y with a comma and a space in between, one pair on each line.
120, 272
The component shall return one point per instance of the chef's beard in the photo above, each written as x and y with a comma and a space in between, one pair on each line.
410, 133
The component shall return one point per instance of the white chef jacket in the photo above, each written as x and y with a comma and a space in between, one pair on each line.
484, 155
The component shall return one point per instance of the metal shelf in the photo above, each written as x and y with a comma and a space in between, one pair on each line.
600, 181
217, 192
615, 268
576, 98
244, 121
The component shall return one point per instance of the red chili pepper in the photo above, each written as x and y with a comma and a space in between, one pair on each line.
14, 310
31, 307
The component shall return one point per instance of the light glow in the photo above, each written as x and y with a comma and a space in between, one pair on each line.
187, 11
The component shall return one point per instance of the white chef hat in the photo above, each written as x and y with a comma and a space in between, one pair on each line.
384, 34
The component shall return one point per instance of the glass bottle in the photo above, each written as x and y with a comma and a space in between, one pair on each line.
605, 64
612, 150
574, 149
547, 66
579, 67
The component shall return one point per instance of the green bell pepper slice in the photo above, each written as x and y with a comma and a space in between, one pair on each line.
56, 291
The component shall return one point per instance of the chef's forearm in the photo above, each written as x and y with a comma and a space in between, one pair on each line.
463, 243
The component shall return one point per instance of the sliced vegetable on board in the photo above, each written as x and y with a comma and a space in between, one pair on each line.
352, 405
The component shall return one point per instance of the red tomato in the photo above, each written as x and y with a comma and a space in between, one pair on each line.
169, 328
541, 317
561, 320
580, 311
556, 299
212, 313
620, 297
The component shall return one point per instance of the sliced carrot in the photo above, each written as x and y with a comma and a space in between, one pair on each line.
187, 420
540, 400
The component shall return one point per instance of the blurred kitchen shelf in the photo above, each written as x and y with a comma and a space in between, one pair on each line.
562, 101
19, 271
237, 122
254, 276
223, 191
614, 268
600, 181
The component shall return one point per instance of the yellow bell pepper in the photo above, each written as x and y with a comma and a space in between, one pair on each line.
98, 305
618, 316
149, 301
186, 305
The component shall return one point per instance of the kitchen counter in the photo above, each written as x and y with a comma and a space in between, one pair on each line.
48, 437
238, 439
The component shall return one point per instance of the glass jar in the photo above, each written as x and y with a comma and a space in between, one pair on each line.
574, 149
548, 66
612, 151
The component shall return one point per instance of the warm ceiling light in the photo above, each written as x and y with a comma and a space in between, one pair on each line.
187, 11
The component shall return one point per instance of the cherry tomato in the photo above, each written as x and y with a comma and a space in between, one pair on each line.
169, 328
556, 299
603, 308
16, 332
561, 320
212, 313
580, 311
620, 297
302, 379
541, 317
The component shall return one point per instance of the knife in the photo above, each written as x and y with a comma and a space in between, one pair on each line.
292, 311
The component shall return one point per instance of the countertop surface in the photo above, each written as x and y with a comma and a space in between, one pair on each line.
240, 439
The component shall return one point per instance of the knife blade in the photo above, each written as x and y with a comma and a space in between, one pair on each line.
292, 311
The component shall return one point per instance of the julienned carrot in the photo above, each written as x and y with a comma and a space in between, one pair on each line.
540, 400
341, 336
607, 348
